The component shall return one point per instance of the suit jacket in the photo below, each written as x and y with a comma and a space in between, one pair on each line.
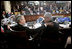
19, 27
55, 27
51, 32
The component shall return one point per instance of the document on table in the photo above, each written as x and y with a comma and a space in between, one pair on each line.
64, 26
37, 25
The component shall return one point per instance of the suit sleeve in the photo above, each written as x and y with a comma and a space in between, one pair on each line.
14, 28
35, 32
56, 26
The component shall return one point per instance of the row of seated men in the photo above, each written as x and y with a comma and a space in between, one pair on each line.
47, 30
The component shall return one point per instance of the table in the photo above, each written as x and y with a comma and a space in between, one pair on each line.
65, 26
35, 26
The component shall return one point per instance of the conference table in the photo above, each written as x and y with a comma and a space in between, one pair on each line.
62, 27
37, 25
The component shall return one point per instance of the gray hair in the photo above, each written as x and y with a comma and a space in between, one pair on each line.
48, 14
18, 17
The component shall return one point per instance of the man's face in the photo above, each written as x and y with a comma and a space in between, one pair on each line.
22, 20
47, 19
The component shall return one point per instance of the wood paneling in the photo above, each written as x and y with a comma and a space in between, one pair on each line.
32, 17
35, 17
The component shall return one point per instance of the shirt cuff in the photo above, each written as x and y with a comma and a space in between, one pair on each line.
45, 25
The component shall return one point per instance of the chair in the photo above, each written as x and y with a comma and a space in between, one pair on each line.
17, 39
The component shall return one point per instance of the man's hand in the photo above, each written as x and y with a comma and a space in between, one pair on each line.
8, 27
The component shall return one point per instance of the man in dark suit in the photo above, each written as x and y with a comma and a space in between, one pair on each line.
50, 31
48, 22
21, 22
50, 26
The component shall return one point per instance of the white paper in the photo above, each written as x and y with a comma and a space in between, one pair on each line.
37, 25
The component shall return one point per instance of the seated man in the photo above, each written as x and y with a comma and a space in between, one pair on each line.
21, 26
48, 21
50, 26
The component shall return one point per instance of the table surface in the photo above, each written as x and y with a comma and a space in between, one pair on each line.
37, 25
